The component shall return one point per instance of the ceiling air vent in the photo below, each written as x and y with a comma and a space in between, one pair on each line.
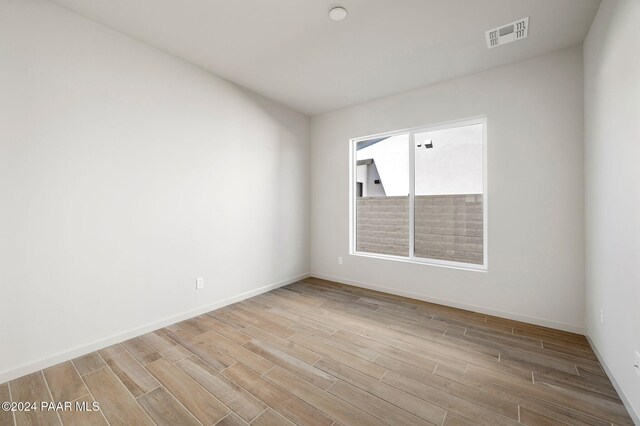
508, 33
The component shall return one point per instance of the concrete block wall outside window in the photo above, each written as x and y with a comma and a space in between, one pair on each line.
447, 227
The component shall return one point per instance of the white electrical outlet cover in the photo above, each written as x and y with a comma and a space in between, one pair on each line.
199, 283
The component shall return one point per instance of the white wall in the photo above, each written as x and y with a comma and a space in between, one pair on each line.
391, 159
125, 173
535, 191
612, 170
453, 165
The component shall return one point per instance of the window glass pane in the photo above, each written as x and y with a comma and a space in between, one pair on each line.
382, 201
449, 194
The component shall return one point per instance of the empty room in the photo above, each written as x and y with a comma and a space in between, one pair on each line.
319, 212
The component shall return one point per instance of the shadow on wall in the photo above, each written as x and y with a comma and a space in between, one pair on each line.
286, 168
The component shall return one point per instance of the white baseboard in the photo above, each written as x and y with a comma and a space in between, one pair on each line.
488, 311
59, 357
634, 411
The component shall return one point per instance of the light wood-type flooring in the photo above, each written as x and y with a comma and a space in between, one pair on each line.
321, 353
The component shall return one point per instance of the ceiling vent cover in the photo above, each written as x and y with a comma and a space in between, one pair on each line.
508, 33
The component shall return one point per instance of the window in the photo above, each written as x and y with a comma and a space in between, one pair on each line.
420, 195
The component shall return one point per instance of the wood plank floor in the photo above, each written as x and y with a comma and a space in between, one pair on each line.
321, 353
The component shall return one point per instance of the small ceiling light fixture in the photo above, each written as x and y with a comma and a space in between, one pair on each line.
338, 13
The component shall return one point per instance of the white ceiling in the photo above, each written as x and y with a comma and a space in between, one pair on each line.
290, 51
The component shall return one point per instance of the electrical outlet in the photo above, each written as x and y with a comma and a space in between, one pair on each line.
199, 283
601, 316
339, 260
636, 363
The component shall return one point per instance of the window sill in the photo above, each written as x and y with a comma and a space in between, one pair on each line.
425, 262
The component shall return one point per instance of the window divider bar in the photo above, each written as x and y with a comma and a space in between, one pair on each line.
412, 191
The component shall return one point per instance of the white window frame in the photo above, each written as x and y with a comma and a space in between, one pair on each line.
412, 258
